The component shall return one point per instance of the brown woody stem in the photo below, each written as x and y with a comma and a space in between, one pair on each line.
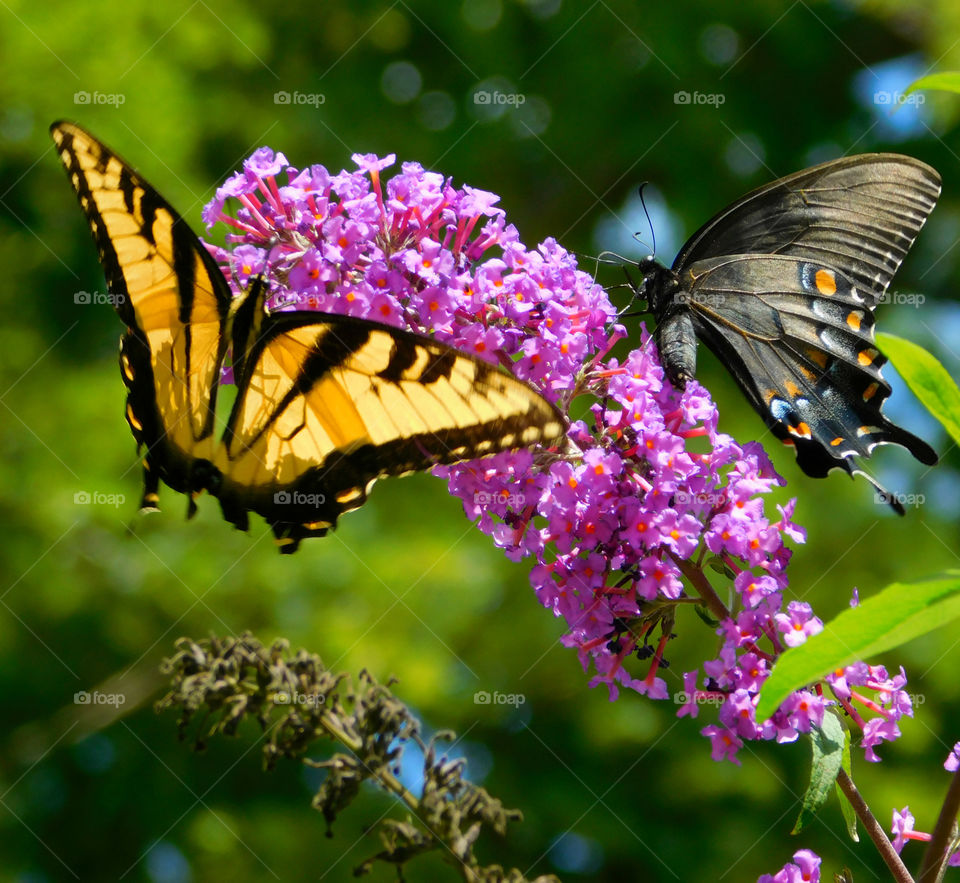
874, 831
703, 587
944, 835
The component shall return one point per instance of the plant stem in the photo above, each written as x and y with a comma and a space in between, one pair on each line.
935, 858
873, 829
703, 587
334, 727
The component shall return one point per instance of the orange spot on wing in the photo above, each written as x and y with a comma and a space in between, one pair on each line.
866, 357
836, 441
826, 282
818, 357
854, 319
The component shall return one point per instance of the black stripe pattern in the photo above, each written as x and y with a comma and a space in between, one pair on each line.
333, 355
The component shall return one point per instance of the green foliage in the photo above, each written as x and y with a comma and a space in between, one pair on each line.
828, 743
849, 815
928, 379
898, 614
946, 81
93, 595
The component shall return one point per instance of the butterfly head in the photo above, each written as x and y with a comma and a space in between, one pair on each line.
649, 265
658, 285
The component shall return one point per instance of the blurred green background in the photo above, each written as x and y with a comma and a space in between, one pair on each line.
611, 791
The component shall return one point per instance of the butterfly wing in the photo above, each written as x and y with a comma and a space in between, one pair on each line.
858, 215
798, 338
327, 404
173, 299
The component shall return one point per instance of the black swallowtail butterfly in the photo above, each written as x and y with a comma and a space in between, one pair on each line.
782, 285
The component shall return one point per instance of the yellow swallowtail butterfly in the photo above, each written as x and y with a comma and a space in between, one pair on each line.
325, 403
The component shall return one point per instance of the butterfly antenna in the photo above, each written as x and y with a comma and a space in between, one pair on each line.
617, 258
623, 262
599, 259
643, 202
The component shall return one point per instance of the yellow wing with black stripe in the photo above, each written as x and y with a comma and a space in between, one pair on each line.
328, 403
325, 404
173, 299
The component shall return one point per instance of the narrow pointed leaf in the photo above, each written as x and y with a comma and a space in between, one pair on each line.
827, 743
849, 814
946, 81
899, 613
927, 378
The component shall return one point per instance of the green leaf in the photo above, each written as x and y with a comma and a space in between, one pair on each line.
927, 378
715, 562
849, 815
899, 613
704, 613
947, 81
827, 743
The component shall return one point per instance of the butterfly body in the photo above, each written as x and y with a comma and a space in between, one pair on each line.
675, 335
782, 287
325, 403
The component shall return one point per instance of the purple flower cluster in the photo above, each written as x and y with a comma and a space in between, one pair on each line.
890, 702
805, 868
648, 493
